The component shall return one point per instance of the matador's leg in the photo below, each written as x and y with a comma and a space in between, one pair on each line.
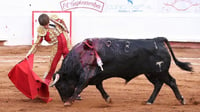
54, 61
53, 53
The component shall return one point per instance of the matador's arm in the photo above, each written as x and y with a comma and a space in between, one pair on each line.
60, 25
41, 32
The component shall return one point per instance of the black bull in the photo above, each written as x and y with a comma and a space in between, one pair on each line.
124, 58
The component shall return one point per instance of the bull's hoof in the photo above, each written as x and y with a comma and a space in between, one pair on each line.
66, 104
148, 103
78, 97
108, 100
183, 102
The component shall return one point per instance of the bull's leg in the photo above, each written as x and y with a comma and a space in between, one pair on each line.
83, 82
103, 93
81, 85
171, 82
157, 86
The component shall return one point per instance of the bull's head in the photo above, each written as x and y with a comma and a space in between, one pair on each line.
65, 87
79, 59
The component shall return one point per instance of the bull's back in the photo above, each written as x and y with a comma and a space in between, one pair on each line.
133, 56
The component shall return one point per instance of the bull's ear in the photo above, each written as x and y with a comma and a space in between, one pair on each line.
57, 77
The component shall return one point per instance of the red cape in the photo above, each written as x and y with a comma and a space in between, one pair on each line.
27, 81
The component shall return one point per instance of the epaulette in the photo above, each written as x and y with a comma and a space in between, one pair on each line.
41, 31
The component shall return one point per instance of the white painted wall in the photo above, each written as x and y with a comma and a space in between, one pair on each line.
16, 21
174, 27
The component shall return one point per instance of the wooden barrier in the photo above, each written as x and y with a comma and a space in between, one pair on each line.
185, 44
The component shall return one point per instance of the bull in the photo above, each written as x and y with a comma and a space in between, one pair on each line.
96, 59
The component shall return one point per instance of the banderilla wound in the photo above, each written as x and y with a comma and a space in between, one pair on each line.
99, 61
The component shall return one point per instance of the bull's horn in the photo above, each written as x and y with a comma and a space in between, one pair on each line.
55, 80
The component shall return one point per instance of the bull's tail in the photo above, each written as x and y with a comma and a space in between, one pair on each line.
183, 65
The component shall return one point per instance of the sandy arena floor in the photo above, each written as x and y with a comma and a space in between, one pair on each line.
125, 98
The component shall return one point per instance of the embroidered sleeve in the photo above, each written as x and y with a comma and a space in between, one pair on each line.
69, 46
35, 45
